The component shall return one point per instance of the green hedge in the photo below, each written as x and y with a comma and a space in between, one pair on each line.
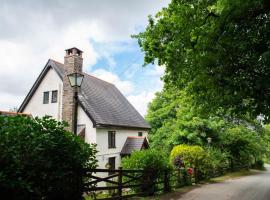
39, 159
152, 162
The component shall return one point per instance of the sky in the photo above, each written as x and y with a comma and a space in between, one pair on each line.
32, 31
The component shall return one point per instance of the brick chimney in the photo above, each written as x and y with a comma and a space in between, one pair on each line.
73, 62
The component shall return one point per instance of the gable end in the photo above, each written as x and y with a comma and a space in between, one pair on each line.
49, 65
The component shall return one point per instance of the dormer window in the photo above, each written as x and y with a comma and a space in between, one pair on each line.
54, 96
46, 97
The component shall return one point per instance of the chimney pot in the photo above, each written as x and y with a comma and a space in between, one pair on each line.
74, 52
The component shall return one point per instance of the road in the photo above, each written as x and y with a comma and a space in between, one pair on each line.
254, 187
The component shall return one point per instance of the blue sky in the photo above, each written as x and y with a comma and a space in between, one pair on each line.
100, 28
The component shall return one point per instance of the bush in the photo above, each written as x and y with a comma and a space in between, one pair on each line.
152, 162
244, 145
39, 159
219, 161
259, 164
192, 157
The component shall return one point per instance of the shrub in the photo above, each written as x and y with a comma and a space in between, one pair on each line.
192, 156
152, 162
39, 159
244, 145
259, 164
219, 161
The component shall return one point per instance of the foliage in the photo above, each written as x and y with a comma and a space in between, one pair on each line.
218, 50
219, 160
192, 156
149, 159
152, 162
39, 159
184, 123
266, 139
244, 145
239, 140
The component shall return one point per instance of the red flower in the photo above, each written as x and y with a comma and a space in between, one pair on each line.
190, 171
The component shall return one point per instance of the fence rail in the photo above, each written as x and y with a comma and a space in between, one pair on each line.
122, 184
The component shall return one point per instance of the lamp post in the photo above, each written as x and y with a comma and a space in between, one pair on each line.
209, 140
75, 80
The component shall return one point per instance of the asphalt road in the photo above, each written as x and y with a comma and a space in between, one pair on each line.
254, 187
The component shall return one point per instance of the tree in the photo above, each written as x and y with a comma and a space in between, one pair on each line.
217, 49
39, 159
174, 120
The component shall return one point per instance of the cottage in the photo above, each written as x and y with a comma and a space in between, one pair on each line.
104, 115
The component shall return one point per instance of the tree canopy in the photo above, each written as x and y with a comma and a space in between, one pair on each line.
217, 50
175, 120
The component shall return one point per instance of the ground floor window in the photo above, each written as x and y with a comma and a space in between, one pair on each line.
111, 164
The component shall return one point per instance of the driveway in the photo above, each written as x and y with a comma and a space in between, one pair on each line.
254, 187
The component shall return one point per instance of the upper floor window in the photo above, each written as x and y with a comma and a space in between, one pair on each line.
140, 134
45, 97
54, 96
111, 139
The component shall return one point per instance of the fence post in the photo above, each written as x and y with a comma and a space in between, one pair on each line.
195, 175
166, 182
120, 176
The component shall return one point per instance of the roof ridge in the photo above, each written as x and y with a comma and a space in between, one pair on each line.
84, 72
56, 61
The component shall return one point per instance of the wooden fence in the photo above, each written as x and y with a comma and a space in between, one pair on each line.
122, 184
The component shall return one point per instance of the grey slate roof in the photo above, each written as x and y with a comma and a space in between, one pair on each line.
134, 144
102, 101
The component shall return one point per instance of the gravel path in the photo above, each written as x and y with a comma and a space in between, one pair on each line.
254, 187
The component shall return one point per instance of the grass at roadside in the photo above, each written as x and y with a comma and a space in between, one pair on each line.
180, 191
233, 175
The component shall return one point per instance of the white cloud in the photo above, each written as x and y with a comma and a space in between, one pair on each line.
34, 31
156, 71
141, 101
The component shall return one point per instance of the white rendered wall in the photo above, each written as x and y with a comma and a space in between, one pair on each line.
120, 138
90, 131
35, 106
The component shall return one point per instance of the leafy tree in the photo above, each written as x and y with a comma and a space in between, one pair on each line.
244, 145
219, 50
39, 159
175, 121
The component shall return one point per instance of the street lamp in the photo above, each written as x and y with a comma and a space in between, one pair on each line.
209, 140
75, 80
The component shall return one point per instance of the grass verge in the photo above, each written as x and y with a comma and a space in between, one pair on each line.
234, 175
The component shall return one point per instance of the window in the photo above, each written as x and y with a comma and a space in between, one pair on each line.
45, 97
54, 96
112, 164
111, 139
140, 134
